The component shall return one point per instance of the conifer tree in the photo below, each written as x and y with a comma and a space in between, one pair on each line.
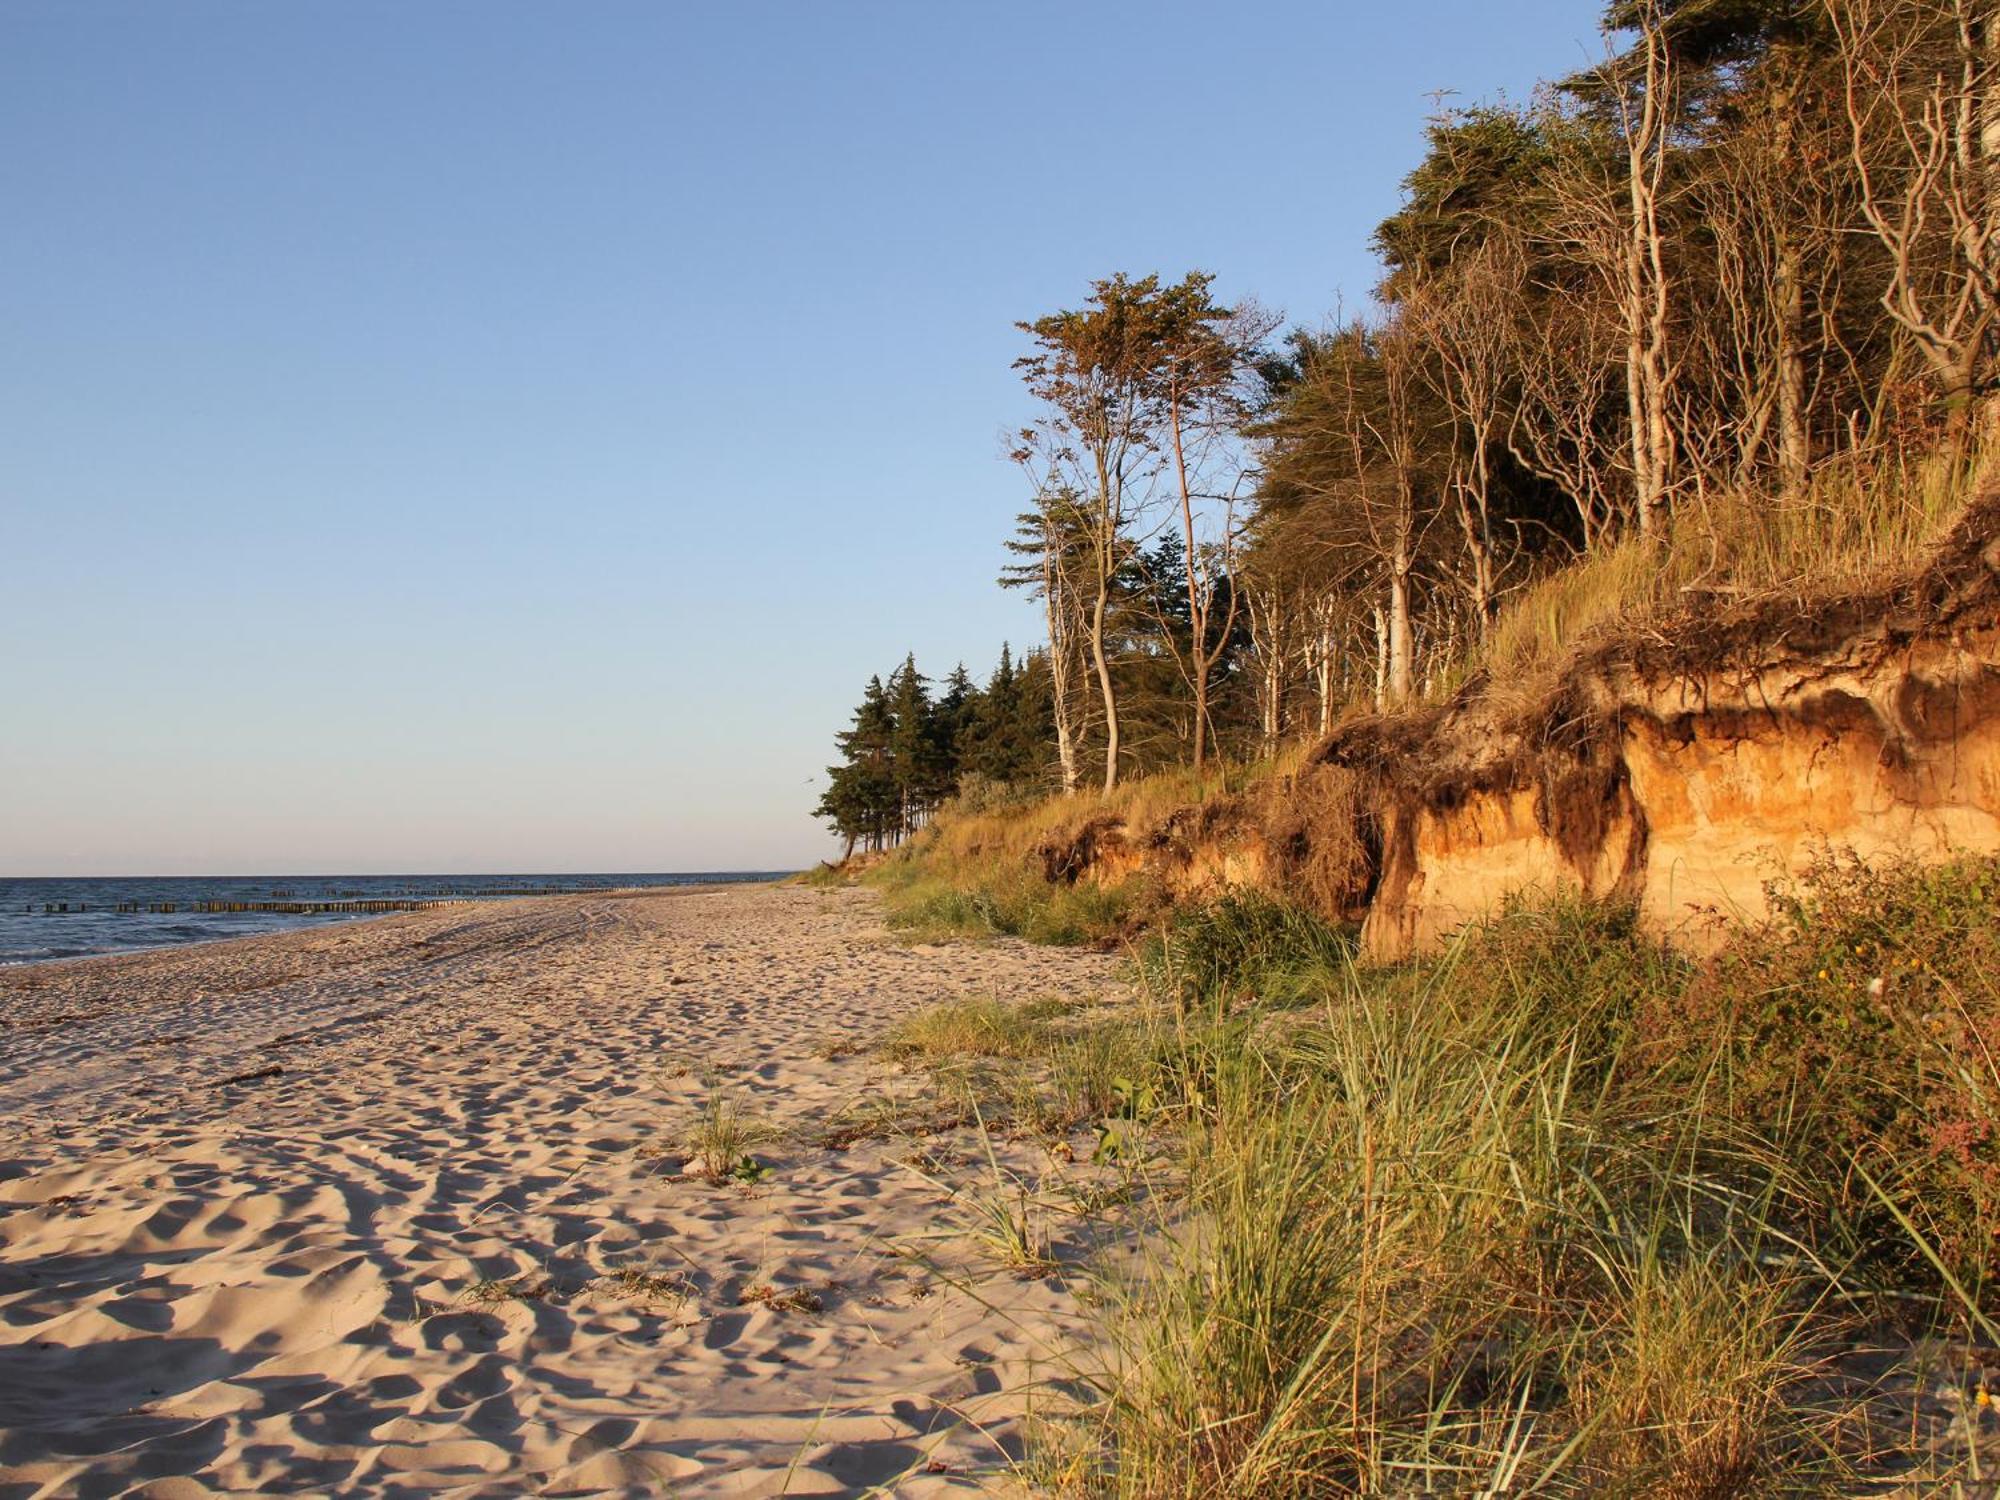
916, 764
861, 798
954, 710
1002, 739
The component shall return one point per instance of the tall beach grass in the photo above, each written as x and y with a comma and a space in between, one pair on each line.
1556, 1211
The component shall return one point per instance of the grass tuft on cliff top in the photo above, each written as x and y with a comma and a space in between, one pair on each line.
1848, 528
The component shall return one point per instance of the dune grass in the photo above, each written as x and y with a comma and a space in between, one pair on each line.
1009, 834
976, 872
1045, 1066
931, 901
1557, 1210
1246, 948
718, 1143
974, 1026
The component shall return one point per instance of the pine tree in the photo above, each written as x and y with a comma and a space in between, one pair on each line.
953, 712
916, 763
861, 798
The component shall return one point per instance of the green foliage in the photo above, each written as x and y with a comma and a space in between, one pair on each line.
1555, 1210
997, 902
906, 754
975, 1026
1246, 947
718, 1143
1859, 1035
1478, 167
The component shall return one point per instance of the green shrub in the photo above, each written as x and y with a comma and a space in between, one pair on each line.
930, 910
1011, 903
1556, 1210
1245, 947
1109, 1071
1857, 1035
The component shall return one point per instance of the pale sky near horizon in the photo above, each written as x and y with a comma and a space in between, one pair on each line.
503, 437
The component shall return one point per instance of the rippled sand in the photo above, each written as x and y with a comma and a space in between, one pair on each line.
398, 1207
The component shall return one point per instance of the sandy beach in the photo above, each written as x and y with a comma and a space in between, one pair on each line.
401, 1206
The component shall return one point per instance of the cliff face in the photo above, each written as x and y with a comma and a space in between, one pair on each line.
1709, 785
1681, 770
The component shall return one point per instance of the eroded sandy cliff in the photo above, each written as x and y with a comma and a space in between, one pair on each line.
1682, 769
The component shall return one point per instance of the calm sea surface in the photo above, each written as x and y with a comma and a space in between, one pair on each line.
42, 919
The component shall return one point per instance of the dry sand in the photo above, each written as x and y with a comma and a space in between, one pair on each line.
346, 1211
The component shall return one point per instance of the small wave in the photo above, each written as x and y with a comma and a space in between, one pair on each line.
43, 955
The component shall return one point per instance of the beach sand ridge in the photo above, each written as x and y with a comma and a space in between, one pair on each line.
398, 1206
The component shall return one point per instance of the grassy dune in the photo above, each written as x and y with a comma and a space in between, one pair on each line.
1557, 1209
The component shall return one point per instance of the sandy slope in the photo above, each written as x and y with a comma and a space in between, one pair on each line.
286, 1281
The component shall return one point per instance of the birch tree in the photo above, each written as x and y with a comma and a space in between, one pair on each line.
1057, 557
1095, 373
1921, 94
1204, 352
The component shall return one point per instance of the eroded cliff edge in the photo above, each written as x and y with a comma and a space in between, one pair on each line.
1682, 768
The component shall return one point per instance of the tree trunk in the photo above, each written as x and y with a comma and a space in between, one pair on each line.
1645, 288
1273, 717
1323, 676
1381, 661
1476, 520
1645, 487
1270, 632
1788, 296
1104, 684
1197, 611
1794, 441
1058, 606
1066, 753
1402, 640
1989, 182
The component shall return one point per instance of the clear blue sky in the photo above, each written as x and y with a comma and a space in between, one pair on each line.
501, 436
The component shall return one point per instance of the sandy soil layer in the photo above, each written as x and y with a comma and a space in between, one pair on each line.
398, 1207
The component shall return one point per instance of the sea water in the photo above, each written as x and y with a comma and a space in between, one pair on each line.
74, 917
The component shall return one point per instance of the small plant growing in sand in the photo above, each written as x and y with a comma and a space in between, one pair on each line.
719, 1145
507, 1289
1000, 1217
641, 1284
787, 1299
1121, 1134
